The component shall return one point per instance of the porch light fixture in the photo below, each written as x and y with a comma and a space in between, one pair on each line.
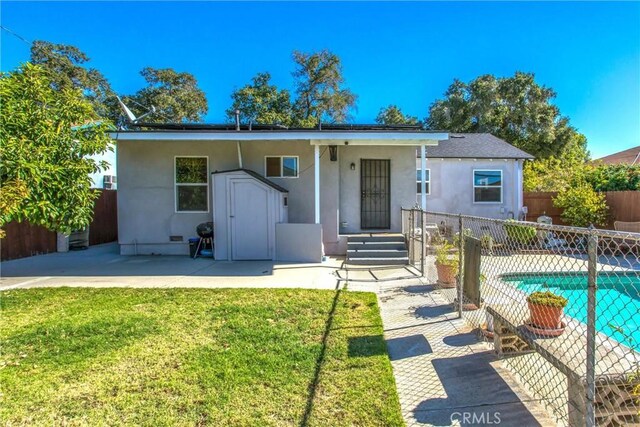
333, 153
353, 166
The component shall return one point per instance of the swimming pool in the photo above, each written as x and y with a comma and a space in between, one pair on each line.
617, 299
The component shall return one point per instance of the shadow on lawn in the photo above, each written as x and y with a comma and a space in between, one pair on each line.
320, 362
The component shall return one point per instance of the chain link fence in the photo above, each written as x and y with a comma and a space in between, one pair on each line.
560, 304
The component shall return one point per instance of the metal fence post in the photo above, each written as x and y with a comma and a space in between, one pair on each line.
460, 260
422, 243
592, 266
411, 236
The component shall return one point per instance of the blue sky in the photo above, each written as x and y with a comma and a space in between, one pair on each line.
401, 53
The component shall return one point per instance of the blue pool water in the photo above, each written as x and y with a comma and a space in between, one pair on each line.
617, 300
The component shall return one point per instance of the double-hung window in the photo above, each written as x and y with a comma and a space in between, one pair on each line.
192, 184
281, 166
427, 178
487, 186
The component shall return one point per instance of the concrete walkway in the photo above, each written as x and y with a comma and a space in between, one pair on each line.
103, 266
443, 374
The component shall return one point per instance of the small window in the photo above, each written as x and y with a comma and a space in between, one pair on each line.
281, 166
192, 184
487, 186
427, 176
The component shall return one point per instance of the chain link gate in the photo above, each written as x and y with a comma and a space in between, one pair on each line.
585, 365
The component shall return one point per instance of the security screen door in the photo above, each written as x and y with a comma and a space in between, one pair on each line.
375, 200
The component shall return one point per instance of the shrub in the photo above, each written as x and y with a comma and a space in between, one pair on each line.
582, 206
547, 298
614, 177
523, 234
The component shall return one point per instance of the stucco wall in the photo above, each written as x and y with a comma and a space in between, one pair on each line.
146, 193
299, 242
452, 187
146, 189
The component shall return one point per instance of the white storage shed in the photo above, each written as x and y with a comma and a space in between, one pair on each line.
246, 209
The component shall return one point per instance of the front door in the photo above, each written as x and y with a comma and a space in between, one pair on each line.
375, 200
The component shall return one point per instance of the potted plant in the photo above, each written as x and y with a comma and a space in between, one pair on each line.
447, 264
546, 309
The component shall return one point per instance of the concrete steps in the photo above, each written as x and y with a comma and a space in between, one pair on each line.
381, 249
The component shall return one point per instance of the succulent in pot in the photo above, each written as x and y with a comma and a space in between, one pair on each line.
546, 309
447, 264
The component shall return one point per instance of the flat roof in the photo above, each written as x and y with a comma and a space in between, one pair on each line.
324, 127
324, 135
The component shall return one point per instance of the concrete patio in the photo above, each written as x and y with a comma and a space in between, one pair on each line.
103, 266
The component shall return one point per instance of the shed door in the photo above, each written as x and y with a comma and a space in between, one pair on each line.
375, 200
249, 216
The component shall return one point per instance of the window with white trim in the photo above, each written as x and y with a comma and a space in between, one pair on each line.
281, 166
427, 176
487, 186
192, 184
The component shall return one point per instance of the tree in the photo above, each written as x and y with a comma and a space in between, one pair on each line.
261, 102
320, 95
516, 108
392, 115
176, 96
46, 136
553, 173
67, 69
582, 206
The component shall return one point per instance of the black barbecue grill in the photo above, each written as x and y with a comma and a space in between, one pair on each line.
205, 232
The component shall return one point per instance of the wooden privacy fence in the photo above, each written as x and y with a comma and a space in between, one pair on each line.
104, 227
23, 239
623, 206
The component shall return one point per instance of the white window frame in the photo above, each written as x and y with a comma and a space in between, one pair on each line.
282, 167
474, 186
189, 184
428, 181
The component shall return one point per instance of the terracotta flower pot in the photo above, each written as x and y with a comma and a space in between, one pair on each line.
446, 273
545, 317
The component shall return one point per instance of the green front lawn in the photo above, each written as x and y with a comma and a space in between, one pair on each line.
157, 357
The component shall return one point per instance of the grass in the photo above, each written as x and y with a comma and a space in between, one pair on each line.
159, 357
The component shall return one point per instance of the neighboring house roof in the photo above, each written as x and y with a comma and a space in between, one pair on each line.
256, 176
630, 156
475, 146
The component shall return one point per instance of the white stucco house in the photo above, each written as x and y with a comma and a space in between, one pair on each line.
473, 174
295, 194
106, 178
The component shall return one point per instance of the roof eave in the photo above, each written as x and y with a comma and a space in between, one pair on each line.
316, 138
